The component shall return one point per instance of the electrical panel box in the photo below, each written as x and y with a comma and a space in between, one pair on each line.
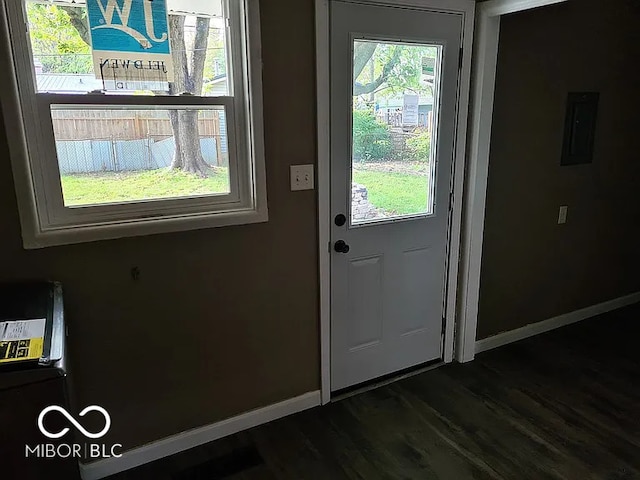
580, 128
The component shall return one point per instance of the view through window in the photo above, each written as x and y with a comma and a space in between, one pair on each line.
394, 125
115, 154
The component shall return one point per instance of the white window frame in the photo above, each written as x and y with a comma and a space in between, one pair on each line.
44, 218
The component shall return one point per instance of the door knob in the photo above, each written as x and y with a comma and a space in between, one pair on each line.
341, 247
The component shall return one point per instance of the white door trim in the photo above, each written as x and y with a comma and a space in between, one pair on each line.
484, 78
324, 203
467, 9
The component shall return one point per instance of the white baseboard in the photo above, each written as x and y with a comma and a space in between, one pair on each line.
198, 436
553, 323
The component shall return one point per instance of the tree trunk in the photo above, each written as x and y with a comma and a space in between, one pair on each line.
188, 79
176, 161
199, 54
180, 73
178, 54
363, 51
78, 17
188, 141
362, 54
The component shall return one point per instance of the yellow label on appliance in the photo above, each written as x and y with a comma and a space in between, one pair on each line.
16, 350
21, 340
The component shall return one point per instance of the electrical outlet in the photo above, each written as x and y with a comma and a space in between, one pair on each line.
562, 214
301, 177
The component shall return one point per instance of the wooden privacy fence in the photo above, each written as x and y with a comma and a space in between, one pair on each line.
124, 124
89, 141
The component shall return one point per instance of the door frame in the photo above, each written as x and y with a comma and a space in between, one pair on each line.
487, 36
465, 8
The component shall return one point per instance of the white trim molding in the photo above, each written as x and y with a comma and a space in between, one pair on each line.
197, 436
532, 329
324, 204
455, 228
466, 8
495, 8
483, 88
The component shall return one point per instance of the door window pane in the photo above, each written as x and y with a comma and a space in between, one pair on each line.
394, 120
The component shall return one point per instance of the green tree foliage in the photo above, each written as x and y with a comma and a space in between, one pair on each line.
419, 145
371, 138
389, 69
55, 42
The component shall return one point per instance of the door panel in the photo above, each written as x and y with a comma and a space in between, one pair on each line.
394, 82
416, 305
365, 281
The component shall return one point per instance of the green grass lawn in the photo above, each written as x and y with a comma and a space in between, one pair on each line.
107, 187
395, 193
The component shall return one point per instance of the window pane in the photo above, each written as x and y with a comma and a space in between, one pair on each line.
123, 154
394, 94
60, 37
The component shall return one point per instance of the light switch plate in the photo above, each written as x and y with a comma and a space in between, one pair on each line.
562, 214
302, 177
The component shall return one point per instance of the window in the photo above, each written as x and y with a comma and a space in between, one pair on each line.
392, 162
139, 116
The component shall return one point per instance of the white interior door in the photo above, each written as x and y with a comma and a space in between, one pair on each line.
394, 86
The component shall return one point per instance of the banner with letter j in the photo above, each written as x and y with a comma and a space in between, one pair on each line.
130, 40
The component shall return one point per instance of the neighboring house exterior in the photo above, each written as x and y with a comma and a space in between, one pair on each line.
85, 83
67, 82
389, 110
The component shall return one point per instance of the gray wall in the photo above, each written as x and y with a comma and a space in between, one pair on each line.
534, 269
222, 320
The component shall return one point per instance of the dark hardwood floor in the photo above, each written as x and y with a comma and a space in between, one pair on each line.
563, 405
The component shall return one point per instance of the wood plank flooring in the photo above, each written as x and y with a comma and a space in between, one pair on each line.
563, 405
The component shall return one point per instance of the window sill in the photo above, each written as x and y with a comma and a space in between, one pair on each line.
34, 238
